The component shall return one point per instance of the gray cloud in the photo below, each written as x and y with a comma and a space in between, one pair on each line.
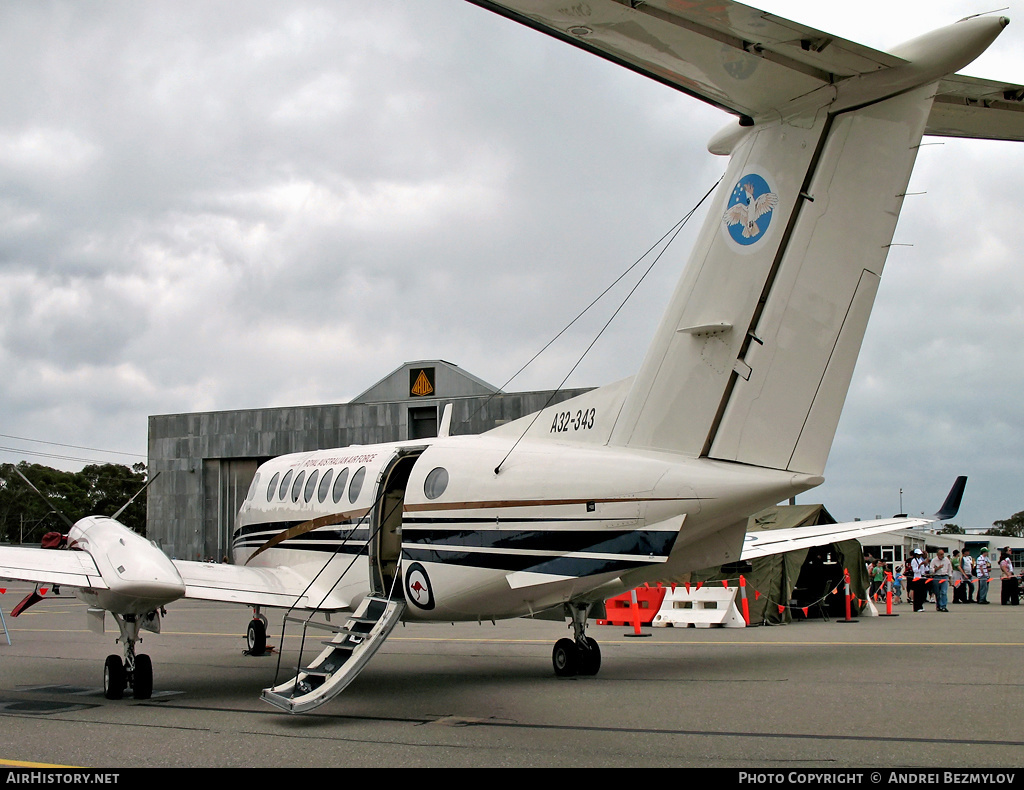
228, 205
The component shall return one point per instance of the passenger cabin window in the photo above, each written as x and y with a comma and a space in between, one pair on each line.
284, 485
311, 485
272, 487
325, 484
339, 484
436, 483
297, 487
357, 484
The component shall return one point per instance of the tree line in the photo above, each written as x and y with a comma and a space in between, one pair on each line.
97, 490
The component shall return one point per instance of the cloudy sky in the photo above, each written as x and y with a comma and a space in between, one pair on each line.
223, 205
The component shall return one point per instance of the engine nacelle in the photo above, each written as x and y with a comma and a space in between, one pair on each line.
139, 576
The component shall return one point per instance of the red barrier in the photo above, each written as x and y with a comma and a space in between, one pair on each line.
621, 610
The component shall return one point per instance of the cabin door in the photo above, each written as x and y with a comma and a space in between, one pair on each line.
385, 548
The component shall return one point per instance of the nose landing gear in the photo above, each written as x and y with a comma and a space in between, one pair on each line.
135, 671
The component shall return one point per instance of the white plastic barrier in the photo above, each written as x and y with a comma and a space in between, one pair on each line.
701, 608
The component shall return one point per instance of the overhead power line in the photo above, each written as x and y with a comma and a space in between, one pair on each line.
59, 444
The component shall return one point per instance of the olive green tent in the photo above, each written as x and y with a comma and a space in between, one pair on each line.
797, 580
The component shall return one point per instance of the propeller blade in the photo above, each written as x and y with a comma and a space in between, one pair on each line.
28, 482
29, 600
124, 507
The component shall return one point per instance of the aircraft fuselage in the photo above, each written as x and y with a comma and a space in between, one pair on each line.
556, 522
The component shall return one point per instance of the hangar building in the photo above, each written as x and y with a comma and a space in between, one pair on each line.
207, 460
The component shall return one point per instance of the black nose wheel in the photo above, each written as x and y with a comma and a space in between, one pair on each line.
117, 677
114, 678
142, 677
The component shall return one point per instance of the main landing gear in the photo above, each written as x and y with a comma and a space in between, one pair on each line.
580, 655
135, 671
256, 634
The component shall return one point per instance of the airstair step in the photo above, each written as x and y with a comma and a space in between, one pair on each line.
341, 660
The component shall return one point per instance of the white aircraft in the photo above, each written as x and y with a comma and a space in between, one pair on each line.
734, 407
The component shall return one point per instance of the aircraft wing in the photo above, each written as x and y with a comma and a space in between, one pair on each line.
278, 587
50, 566
740, 59
778, 541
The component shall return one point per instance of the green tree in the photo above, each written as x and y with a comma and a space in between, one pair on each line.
1013, 527
96, 490
952, 529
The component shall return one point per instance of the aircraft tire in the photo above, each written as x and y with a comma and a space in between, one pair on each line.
565, 658
590, 660
256, 637
142, 681
113, 678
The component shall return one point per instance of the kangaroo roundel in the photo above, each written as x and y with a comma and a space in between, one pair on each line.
751, 208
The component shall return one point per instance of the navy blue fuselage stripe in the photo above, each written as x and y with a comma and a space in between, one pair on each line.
561, 566
635, 542
331, 548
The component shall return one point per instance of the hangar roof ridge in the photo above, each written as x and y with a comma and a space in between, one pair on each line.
465, 383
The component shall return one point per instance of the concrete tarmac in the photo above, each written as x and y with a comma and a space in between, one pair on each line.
917, 691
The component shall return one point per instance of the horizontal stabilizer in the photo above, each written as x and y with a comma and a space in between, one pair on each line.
752, 63
735, 57
983, 109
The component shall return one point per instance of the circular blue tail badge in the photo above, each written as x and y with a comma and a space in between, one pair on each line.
750, 210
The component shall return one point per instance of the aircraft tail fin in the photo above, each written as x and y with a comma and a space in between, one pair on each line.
755, 354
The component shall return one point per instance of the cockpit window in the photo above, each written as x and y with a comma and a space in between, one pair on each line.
311, 485
339, 484
252, 487
357, 484
325, 484
436, 483
272, 487
284, 484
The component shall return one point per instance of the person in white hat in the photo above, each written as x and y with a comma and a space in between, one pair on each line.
919, 580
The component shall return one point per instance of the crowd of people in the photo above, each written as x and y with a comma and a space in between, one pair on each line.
940, 579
